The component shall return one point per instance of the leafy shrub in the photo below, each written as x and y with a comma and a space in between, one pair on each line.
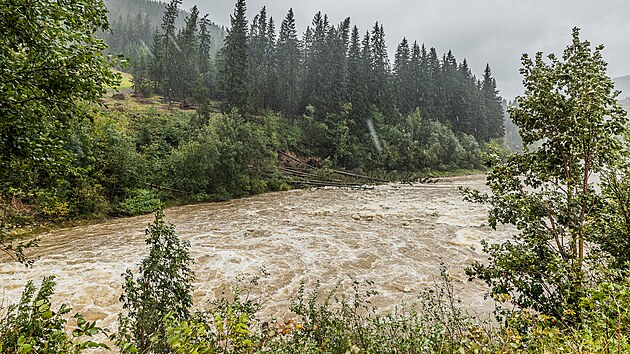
193, 165
331, 322
162, 288
139, 201
31, 326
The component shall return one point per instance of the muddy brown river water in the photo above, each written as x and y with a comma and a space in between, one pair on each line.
395, 235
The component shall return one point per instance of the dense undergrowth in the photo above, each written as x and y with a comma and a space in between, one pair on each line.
127, 156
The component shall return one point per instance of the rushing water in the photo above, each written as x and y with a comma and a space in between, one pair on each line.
394, 235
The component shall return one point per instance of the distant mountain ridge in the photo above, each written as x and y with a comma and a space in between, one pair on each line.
623, 84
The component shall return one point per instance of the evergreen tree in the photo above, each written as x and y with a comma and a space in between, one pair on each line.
357, 80
492, 122
141, 75
404, 78
204, 87
340, 60
187, 70
271, 79
467, 102
257, 60
382, 92
314, 88
449, 90
288, 58
334, 81
417, 79
156, 67
233, 61
367, 67
169, 50
434, 98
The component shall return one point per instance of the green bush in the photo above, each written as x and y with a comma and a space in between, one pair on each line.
162, 288
32, 326
139, 201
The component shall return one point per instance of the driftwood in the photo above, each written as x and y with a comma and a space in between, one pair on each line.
325, 183
359, 176
307, 172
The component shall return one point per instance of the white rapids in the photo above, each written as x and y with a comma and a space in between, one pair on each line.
395, 235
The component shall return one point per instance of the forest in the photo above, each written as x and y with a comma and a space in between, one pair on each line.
208, 117
339, 102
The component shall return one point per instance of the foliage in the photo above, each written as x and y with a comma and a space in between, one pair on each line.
133, 22
49, 60
11, 243
139, 201
227, 326
328, 68
549, 192
89, 161
50, 63
32, 326
613, 222
332, 322
162, 287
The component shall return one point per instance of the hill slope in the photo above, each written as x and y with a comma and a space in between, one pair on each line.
623, 84
133, 24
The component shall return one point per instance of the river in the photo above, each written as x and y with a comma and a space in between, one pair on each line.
395, 235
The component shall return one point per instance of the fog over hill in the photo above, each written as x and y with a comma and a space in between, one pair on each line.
623, 84
133, 23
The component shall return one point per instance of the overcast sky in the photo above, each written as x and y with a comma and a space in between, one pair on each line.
482, 31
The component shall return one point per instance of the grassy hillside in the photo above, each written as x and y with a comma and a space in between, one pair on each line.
126, 83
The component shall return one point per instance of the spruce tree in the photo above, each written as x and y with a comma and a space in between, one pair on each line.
382, 92
257, 60
357, 79
403, 78
169, 50
156, 67
367, 67
187, 70
416, 80
468, 100
288, 58
493, 111
435, 104
233, 61
316, 63
271, 73
449, 90
204, 87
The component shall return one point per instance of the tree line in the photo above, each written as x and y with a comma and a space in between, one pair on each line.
328, 67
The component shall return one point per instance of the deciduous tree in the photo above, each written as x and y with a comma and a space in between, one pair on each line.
550, 192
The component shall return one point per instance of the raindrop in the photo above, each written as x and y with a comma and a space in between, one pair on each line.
375, 138
175, 43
